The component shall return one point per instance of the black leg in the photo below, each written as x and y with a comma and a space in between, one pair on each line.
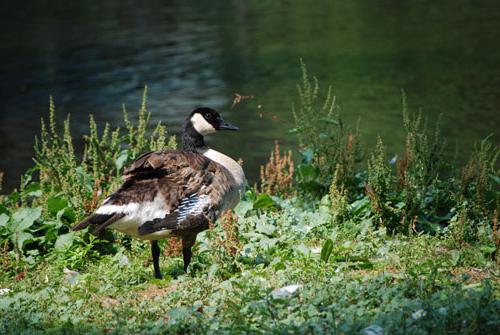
187, 243
155, 250
186, 253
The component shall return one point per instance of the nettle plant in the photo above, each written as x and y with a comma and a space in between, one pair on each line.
62, 187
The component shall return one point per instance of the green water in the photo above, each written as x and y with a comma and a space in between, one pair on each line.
94, 56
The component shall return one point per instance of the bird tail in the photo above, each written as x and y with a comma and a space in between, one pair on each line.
100, 220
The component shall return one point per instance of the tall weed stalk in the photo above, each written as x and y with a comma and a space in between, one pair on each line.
327, 146
420, 168
479, 194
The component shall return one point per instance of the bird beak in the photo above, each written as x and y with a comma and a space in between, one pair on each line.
227, 126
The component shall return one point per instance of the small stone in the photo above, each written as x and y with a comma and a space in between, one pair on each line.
373, 330
71, 276
418, 314
124, 261
4, 291
316, 250
285, 291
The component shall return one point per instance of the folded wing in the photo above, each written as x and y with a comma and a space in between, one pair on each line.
161, 190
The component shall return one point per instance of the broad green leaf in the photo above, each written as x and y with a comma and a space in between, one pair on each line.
243, 207
301, 248
263, 201
64, 241
33, 190
67, 213
267, 243
359, 206
326, 250
307, 172
488, 248
21, 238
33, 252
266, 229
30, 260
250, 195
14, 197
55, 204
24, 218
4, 218
121, 159
51, 230
4, 210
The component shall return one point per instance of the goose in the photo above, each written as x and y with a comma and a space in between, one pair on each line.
174, 192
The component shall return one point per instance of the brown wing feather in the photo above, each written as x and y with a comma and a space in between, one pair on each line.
172, 173
162, 163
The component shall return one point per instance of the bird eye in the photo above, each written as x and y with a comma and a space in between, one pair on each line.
208, 115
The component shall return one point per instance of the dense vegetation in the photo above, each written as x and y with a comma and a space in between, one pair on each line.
341, 242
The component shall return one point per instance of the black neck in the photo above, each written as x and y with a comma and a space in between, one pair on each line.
191, 140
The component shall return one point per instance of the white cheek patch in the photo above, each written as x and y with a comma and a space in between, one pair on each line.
201, 125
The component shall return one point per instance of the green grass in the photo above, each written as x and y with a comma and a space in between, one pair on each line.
400, 284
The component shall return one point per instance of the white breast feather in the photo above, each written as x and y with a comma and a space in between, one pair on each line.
230, 164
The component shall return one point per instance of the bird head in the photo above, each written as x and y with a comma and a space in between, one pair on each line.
207, 121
